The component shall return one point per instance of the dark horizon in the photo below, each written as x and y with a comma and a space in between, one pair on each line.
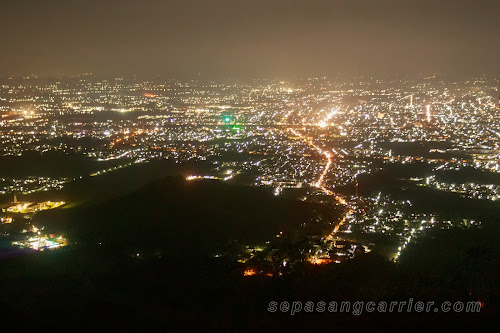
239, 38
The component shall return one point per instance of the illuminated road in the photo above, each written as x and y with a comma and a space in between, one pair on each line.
320, 182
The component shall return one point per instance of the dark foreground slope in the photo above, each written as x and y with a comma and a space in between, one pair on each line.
176, 218
176, 284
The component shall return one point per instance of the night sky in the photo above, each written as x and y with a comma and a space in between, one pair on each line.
242, 37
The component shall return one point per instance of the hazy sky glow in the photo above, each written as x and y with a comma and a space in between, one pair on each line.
249, 36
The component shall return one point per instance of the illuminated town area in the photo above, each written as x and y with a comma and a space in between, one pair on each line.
310, 138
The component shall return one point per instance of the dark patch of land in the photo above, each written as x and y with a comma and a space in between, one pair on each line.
107, 185
393, 180
187, 218
468, 175
52, 164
